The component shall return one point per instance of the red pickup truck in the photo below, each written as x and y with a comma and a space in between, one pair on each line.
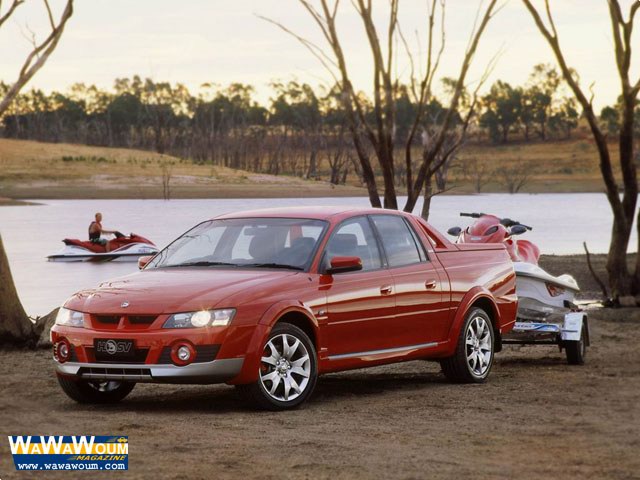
268, 300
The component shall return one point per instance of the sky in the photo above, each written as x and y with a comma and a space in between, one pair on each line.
224, 41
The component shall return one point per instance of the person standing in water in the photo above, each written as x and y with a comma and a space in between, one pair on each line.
96, 231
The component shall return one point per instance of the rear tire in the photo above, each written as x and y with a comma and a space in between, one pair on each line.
473, 359
577, 350
288, 371
83, 391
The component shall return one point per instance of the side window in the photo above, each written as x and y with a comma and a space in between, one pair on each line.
398, 241
354, 238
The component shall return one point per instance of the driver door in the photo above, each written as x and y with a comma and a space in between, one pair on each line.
360, 304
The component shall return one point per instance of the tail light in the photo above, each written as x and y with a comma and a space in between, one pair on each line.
555, 290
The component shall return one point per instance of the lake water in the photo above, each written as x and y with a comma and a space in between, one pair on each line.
561, 222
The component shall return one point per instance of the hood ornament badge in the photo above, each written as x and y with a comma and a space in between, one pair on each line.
124, 304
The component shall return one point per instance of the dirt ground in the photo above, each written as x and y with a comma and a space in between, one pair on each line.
536, 417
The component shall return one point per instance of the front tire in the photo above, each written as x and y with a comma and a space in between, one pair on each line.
84, 391
473, 359
288, 370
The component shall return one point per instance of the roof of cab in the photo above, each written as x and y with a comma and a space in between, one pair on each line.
319, 212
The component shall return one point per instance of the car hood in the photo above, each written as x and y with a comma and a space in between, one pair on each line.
171, 290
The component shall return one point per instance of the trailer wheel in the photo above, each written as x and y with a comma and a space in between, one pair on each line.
577, 350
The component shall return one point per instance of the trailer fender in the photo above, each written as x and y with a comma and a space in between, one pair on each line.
572, 327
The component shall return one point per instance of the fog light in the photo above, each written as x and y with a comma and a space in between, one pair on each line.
184, 354
62, 351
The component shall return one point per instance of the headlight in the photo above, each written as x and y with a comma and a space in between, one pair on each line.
204, 318
69, 318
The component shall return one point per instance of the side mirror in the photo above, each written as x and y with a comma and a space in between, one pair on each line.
518, 229
344, 264
142, 261
454, 231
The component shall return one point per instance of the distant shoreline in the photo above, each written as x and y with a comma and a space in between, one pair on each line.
64, 191
36, 170
12, 202
22, 194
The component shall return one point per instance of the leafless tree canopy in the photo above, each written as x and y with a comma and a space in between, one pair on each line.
621, 281
41, 50
380, 132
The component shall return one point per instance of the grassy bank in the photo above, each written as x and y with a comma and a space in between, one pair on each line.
44, 170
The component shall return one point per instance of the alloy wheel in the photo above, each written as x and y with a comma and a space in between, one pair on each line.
285, 367
479, 346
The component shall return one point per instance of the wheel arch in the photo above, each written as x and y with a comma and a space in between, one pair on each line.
297, 314
481, 298
490, 308
303, 322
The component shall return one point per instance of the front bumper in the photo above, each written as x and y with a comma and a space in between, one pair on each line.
217, 371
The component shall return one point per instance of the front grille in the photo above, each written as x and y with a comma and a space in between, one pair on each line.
113, 320
141, 319
140, 356
204, 353
109, 319
115, 373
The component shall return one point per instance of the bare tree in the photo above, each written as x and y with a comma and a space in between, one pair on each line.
453, 139
15, 326
380, 132
41, 50
623, 207
477, 173
441, 146
515, 177
167, 174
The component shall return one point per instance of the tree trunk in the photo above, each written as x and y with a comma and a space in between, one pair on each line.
619, 280
15, 326
428, 195
636, 277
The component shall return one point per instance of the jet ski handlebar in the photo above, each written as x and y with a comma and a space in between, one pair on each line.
472, 215
507, 222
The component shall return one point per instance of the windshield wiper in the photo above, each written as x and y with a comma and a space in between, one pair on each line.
271, 265
201, 264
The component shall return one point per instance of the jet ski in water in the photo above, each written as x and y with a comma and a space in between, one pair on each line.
547, 313
121, 249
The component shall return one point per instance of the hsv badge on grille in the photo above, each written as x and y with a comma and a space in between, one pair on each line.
111, 347
125, 304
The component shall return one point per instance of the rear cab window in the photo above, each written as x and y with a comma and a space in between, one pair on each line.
400, 242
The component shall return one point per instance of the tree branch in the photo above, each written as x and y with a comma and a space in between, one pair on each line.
15, 4
37, 58
599, 137
414, 193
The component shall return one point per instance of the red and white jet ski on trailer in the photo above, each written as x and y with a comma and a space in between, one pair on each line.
547, 313
121, 249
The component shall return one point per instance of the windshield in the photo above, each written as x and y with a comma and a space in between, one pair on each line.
245, 242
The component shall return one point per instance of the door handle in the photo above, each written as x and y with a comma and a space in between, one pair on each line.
385, 289
430, 284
